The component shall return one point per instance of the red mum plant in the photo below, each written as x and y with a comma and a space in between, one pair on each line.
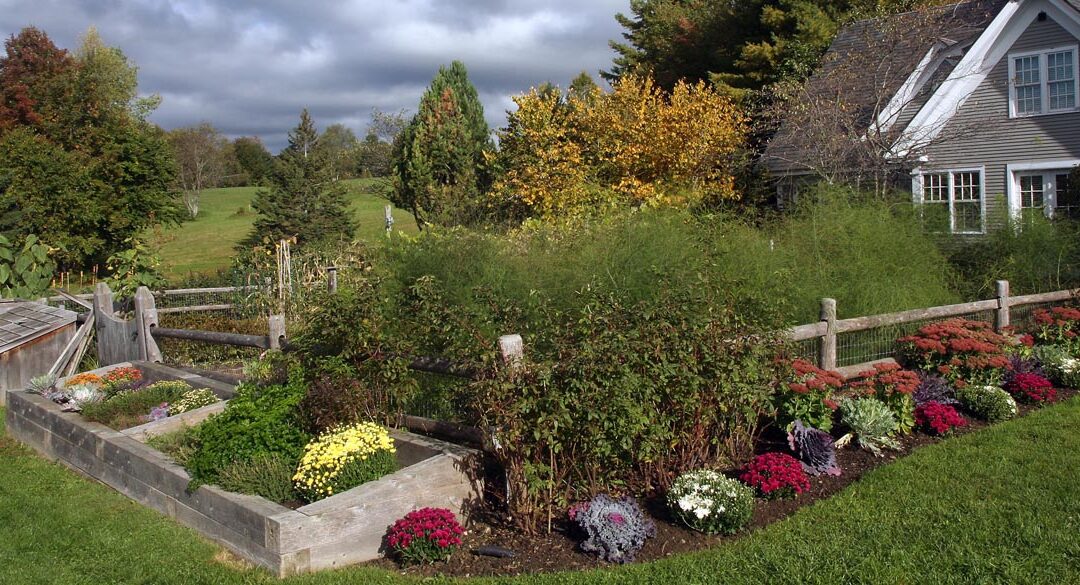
1031, 387
937, 418
895, 387
1058, 326
962, 351
425, 536
807, 396
776, 475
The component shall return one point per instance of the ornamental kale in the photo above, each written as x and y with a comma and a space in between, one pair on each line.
872, 424
814, 448
425, 536
776, 475
934, 388
615, 529
893, 386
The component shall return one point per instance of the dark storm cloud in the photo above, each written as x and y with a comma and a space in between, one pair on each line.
249, 66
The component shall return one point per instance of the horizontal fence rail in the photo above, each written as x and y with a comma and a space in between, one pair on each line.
853, 344
217, 337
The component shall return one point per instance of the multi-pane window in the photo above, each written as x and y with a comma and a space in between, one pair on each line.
1046, 192
953, 201
1028, 85
1044, 82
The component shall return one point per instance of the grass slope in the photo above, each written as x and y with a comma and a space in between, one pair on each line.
225, 217
997, 506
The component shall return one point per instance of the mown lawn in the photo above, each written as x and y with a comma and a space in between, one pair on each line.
207, 243
997, 506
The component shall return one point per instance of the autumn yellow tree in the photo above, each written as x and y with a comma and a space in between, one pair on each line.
631, 147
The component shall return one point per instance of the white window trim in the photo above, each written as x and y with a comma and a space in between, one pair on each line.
917, 194
1014, 171
1044, 81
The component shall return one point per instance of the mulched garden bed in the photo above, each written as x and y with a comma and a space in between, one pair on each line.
559, 551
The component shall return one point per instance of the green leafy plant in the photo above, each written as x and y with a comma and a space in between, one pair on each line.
137, 265
259, 420
178, 444
25, 271
990, 403
132, 408
871, 423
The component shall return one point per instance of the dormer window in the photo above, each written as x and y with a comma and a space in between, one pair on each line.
1043, 82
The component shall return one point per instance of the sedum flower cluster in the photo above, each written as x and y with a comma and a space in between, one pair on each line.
342, 458
707, 501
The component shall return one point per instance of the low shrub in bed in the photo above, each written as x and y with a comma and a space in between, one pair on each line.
266, 475
990, 403
709, 502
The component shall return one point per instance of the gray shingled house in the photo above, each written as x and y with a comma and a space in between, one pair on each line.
974, 107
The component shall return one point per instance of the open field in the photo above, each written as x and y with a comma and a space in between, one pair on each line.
994, 506
225, 217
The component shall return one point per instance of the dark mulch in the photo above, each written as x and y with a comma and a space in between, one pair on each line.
559, 551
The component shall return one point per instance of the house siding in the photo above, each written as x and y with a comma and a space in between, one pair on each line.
985, 136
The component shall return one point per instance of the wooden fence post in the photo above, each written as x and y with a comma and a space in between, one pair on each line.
146, 317
1001, 320
277, 330
827, 359
331, 279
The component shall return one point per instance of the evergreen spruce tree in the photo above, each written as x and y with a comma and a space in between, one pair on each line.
303, 200
438, 161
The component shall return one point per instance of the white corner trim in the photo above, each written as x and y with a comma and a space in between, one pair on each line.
907, 92
988, 50
1012, 179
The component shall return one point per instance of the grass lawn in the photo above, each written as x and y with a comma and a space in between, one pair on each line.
225, 217
997, 506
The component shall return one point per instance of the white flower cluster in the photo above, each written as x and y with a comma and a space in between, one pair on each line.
710, 502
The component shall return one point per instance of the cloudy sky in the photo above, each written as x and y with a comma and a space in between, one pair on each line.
248, 67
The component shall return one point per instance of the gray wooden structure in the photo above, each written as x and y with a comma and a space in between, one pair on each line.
32, 337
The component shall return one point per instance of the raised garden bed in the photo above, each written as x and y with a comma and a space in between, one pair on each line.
340, 530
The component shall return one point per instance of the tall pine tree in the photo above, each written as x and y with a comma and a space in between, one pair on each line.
438, 161
304, 200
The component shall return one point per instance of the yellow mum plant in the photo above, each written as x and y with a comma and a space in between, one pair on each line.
342, 458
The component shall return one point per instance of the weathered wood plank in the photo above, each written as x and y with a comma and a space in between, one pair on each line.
875, 321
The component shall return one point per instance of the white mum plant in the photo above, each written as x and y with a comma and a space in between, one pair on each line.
707, 501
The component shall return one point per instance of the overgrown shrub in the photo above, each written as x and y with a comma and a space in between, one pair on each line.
259, 420
814, 448
960, 350
989, 403
426, 535
776, 475
894, 387
266, 475
615, 530
808, 397
937, 418
872, 424
343, 458
709, 502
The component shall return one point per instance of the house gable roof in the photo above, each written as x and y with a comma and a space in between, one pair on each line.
971, 71
898, 57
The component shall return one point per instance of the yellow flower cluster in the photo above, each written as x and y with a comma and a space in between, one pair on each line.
328, 454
